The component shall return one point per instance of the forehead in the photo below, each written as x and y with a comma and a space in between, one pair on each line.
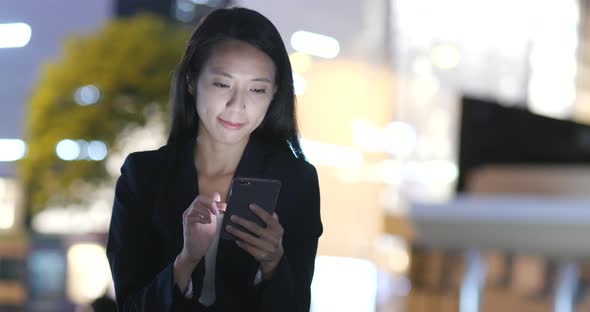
240, 58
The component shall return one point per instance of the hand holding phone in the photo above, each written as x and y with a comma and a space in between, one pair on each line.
244, 192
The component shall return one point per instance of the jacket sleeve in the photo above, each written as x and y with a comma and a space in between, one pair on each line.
141, 284
289, 289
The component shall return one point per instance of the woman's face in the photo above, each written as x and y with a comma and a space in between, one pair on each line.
234, 90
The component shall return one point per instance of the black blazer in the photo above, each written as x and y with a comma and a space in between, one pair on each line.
145, 234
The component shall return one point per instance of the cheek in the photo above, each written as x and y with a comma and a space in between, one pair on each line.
200, 105
208, 104
258, 115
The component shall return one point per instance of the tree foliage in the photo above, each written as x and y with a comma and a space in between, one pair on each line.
131, 62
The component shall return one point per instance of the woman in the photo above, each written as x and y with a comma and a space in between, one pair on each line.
233, 115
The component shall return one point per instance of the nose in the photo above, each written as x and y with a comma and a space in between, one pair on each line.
237, 100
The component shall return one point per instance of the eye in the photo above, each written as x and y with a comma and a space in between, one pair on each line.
220, 85
259, 91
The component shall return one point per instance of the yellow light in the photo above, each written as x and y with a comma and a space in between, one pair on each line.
300, 62
393, 254
399, 260
88, 272
446, 56
12, 293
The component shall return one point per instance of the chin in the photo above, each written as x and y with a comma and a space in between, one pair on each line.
234, 138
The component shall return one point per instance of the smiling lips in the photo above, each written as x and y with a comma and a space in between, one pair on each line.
230, 125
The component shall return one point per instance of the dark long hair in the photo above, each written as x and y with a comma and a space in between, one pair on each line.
279, 126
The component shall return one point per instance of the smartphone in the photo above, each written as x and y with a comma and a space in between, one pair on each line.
246, 191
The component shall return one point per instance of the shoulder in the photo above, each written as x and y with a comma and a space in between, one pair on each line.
300, 182
148, 158
299, 199
146, 165
298, 170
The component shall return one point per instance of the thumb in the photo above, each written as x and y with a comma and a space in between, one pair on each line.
216, 197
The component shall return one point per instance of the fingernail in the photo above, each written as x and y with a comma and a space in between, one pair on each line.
229, 227
233, 218
253, 206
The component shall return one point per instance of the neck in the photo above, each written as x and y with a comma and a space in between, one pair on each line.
217, 159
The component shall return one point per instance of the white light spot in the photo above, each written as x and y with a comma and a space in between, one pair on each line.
97, 150
298, 84
8, 203
331, 155
328, 290
367, 136
12, 149
87, 95
402, 138
186, 7
14, 35
446, 56
315, 44
435, 171
67, 150
88, 272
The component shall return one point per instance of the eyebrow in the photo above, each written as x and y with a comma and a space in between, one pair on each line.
222, 73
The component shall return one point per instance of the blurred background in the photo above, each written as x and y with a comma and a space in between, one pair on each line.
451, 139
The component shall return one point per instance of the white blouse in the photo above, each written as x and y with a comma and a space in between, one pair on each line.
207, 297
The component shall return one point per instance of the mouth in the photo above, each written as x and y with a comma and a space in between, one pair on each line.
230, 125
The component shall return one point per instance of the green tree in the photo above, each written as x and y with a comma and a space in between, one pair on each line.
131, 62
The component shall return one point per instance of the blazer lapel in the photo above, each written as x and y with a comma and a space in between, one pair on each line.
178, 188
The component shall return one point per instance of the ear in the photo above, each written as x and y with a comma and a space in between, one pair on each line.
189, 84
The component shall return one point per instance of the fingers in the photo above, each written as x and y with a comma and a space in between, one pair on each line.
257, 253
265, 243
264, 238
248, 225
199, 214
260, 243
262, 214
203, 207
216, 197
208, 203
272, 221
213, 203
201, 211
197, 219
